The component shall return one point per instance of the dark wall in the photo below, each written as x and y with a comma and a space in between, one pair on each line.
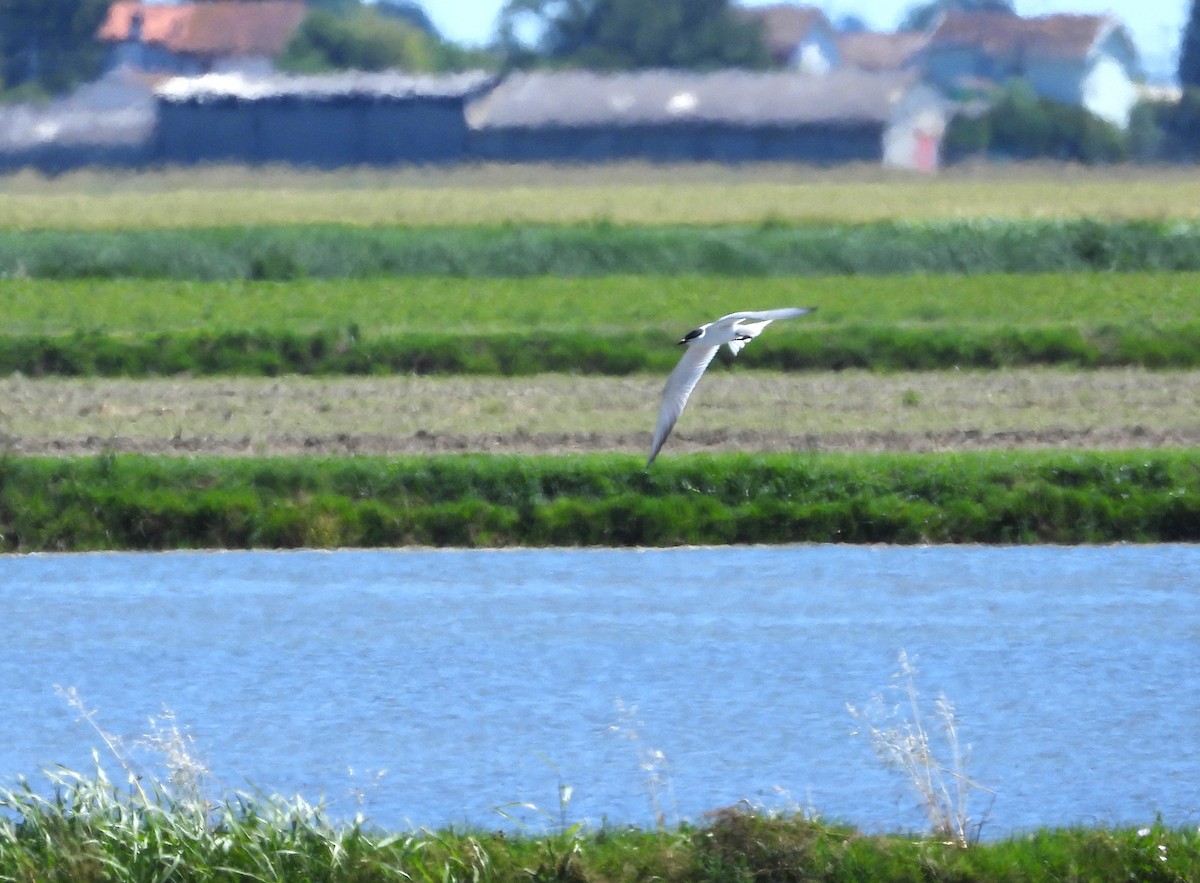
815, 144
333, 133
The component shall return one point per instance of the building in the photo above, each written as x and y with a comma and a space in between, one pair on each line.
109, 122
797, 37
724, 116
881, 51
198, 38
1082, 60
325, 121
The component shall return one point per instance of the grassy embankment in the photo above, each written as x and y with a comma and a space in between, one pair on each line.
127, 502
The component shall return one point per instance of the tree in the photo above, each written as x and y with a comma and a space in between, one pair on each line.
1189, 50
411, 12
49, 45
625, 34
926, 16
1020, 125
360, 40
348, 35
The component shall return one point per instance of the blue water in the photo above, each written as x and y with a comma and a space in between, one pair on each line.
428, 688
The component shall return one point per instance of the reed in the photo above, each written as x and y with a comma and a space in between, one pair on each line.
930, 757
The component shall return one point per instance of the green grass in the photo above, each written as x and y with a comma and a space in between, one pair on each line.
771, 248
94, 829
607, 325
618, 304
343, 352
130, 502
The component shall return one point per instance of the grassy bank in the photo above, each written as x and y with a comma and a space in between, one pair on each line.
344, 351
93, 830
130, 502
294, 251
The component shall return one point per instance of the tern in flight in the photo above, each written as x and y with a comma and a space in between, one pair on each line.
735, 330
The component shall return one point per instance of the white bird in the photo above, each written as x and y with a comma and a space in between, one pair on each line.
735, 330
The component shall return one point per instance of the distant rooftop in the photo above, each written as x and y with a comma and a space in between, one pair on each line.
222, 28
584, 98
1059, 35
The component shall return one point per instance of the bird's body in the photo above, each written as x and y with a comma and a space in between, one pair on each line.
735, 331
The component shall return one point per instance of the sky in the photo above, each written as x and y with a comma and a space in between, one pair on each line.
1155, 25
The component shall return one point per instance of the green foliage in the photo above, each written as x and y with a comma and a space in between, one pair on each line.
344, 251
627, 34
130, 502
49, 45
1019, 125
1178, 125
359, 39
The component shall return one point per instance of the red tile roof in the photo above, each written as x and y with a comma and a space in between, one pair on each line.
220, 28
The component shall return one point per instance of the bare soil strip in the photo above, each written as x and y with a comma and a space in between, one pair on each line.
557, 414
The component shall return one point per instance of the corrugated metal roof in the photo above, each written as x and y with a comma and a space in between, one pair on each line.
386, 84
1060, 35
219, 28
585, 98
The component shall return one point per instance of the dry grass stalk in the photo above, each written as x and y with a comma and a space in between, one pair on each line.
903, 741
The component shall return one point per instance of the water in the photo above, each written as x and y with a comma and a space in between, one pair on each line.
430, 687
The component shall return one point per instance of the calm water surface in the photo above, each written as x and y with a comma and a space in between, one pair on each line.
431, 687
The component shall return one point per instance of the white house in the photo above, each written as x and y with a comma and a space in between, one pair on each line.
1083, 60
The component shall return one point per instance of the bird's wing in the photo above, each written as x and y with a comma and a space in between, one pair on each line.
768, 315
675, 394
